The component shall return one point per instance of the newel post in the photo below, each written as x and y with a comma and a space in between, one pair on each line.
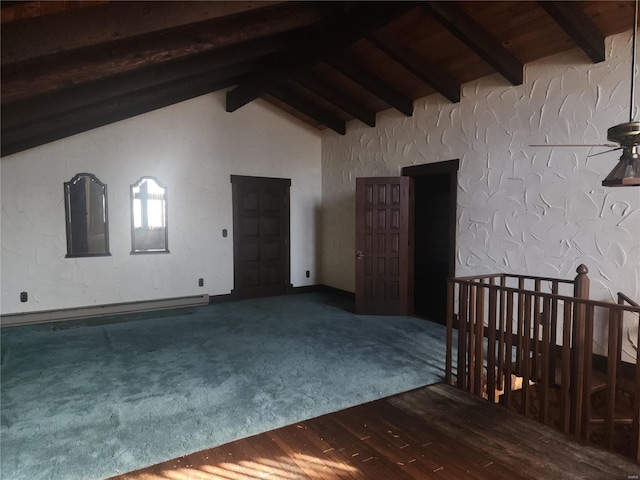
581, 283
579, 363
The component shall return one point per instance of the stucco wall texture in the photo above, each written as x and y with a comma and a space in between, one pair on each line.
521, 209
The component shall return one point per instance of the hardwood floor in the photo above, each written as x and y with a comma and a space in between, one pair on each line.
435, 432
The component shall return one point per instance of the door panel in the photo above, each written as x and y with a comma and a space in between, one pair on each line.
384, 276
261, 236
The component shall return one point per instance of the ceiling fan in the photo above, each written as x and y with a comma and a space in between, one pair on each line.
625, 136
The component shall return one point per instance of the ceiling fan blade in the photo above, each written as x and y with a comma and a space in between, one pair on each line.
610, 145
602, 153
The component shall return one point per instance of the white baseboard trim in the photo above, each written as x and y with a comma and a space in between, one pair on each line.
62, 314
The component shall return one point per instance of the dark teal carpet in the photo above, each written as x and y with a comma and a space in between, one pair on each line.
88, 400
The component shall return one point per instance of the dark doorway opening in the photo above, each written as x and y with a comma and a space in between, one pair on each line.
435, 190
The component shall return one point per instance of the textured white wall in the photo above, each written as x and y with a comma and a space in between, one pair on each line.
539, 211
192, 147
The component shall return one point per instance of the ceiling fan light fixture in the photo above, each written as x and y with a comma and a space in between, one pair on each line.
627, 172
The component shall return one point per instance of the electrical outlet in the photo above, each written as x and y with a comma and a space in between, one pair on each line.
24, 296
201, 282
308, 274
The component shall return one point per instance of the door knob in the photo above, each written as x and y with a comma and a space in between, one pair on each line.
359, 255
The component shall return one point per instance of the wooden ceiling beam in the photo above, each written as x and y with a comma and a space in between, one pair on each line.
358, 21
442, 82
579, 26
249, 55
69, 122
373, 84
337, 98
454, 19
54, 115
92, 24
52, 72
309, 109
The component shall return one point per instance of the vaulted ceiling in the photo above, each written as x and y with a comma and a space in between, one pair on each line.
71, 66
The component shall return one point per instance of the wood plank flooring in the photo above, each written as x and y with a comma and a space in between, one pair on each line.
435, 432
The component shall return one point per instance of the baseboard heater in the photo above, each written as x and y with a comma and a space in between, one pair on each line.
63, 314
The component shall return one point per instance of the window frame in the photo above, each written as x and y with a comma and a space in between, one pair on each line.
68, 204
165, 227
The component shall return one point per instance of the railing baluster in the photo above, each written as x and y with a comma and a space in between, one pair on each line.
588, 368
577, 367
479, 330
449, 359
501, 329
463, 322
536, 332
508, 350
472, 337
526, 364
565, 378
612, 373
546, 306
554, 333
491, 345
519, 336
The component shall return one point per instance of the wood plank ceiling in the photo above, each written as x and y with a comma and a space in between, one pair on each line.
71, 66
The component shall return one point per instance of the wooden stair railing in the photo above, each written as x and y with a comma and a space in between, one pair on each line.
540, 330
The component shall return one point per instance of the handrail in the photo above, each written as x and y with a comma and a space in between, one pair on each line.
538, 335
633, 306
479, 277
512, 275
623, 298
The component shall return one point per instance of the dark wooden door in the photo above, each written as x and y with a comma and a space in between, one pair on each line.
384, 256
261, 254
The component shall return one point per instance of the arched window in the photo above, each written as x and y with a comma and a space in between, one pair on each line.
149, 217
85, 199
